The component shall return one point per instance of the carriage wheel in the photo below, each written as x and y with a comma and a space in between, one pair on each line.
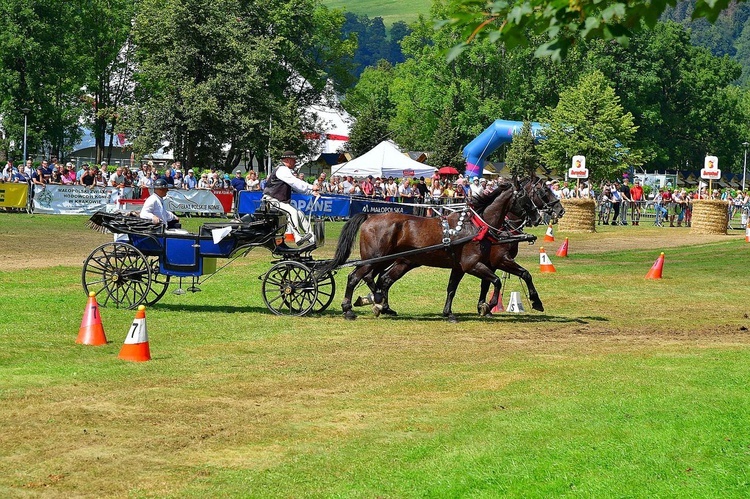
117, 273
289, 288
159, 283
326, 291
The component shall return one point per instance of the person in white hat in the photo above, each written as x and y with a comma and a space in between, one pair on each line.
278, 191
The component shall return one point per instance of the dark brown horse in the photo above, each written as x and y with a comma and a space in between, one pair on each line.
501, 257
384, 235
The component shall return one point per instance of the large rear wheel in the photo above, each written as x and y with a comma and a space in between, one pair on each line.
326, 291
289, 288
118, 273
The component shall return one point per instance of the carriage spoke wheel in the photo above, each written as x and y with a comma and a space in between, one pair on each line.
159, 282
118, 273
326, 291
289, 288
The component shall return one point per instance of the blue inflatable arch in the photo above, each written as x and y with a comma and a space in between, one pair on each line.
497, 134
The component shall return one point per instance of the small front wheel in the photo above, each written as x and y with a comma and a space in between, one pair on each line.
289, 288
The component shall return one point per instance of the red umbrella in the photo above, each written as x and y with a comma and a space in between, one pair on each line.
448, 170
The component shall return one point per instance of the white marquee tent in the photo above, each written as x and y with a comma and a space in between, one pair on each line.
384, 160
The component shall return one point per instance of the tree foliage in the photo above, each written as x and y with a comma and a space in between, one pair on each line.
522, 158
561, 23
589, 120
212, 73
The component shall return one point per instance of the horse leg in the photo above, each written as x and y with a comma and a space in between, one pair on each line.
482, 305
510, 266
453, 282
351, 284
377, 294
487, 276
389, 278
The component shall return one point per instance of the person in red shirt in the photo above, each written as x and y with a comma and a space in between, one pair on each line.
636, 195
368, 189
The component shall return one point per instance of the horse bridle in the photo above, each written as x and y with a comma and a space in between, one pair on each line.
543, 206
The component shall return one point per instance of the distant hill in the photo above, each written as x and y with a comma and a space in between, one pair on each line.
390, 10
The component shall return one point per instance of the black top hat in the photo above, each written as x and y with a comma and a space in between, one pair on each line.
288, 154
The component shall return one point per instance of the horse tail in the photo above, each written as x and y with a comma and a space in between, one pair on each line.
346, 241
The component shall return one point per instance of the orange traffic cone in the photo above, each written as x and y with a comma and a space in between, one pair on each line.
747, 233
135, 347
545, 264
550, 234
92, 330
656, 268
499, 307
563, 251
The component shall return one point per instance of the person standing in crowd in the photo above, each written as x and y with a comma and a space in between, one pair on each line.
190, 182
636, 197
278, 191
154, 209
251, 181
616, 198
667, 202
88, 179
203, 183
368, 189
391, 189
625, 201
422, 192
20, 177
405, 191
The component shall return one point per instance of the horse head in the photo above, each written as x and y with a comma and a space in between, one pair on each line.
544, 199
506, 200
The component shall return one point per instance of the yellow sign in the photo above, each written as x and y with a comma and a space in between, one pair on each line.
14, 195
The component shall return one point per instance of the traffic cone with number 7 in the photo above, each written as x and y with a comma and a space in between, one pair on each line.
92, 330
136, 343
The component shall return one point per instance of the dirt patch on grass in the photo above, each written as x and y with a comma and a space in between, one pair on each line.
40, 249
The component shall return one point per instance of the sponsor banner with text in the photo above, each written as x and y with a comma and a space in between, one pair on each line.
77, 199
14, 195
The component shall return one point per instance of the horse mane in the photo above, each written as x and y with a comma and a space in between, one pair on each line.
482, 201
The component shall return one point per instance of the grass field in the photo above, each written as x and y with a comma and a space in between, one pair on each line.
622, 387
390, 10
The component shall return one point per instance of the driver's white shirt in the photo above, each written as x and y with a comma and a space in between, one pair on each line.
154, 207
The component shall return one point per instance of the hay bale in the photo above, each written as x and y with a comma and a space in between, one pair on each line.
580, 215
710, 216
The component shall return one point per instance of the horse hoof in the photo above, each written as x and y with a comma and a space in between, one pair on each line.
483, 309
538, 306
376, 309
388, 311
452, 319
349, 315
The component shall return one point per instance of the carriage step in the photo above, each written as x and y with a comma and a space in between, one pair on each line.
194, 289
179, 291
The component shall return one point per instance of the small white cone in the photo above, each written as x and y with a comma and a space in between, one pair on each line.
515, 306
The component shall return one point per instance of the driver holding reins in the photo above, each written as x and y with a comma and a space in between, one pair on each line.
278, 191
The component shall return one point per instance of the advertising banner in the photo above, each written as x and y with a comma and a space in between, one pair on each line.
192, 201
77, 199
14, 195
326, 206
369, 206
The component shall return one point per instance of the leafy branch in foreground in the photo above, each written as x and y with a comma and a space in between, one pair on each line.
562, 21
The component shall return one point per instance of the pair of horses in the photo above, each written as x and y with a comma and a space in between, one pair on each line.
471, 242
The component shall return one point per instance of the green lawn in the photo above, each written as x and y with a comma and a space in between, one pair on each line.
390, 10
622, 387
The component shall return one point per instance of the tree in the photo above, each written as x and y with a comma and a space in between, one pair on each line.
213, 73
590, 121
446, 144
563, 23
105, 61
522, 158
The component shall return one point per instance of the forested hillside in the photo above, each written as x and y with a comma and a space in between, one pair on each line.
729, 35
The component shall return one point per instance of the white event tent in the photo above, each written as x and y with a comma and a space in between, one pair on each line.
384, 160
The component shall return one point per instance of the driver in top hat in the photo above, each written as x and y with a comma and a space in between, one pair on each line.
278, 190
154, 209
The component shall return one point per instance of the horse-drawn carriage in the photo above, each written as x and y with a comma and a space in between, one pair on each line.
145, 259
476, 240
